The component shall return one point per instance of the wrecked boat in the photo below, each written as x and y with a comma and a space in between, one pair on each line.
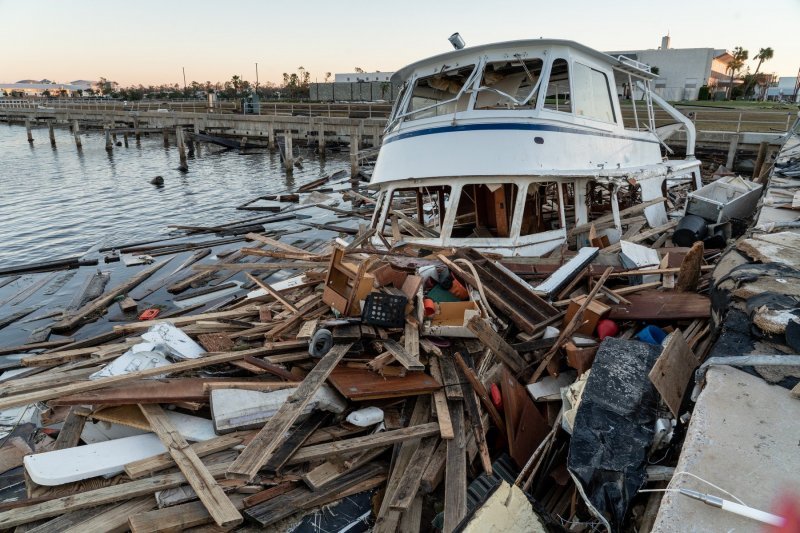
505, 147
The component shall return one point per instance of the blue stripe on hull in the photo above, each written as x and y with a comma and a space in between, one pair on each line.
509, 126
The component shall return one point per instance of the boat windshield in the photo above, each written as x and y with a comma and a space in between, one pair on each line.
440, 94
511, 84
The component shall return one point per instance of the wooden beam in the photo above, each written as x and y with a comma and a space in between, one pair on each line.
84, 386
71, 430
203, 483
272, 292
496, 344
133, 327
407, 489
273, 434
92, 498
366, 442
275, 243
151, 465
481, 391
455, 491
175, 518
402, 356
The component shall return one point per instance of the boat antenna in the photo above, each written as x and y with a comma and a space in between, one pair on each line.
457, 41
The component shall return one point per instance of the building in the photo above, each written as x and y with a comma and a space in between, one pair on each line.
785, 90
362, 76
682, 71
39, 88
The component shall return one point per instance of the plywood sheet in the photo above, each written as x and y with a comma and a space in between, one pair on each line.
361, 384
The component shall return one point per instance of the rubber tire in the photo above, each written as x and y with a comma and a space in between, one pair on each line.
321, 343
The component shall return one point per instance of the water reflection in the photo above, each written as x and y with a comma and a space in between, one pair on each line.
59, 204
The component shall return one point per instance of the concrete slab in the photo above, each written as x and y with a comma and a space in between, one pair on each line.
743, 436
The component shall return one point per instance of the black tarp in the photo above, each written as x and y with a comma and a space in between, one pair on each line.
614, 427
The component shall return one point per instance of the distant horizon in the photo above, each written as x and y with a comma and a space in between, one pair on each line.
214, 43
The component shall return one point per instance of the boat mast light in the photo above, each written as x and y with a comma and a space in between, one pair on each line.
457, 41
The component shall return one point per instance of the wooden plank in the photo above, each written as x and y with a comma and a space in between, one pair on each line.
443, 414
496, 344
168, 390
70, 433
642, 236
258, 452
481, 391
658, 305
114, 519
298, 436
45, 380
357, 444
388, 518
36, 346
244, 267
333, 469
91, 498
177, 517
210, 493
134, 327
272, 292
269, 512
411, 520
74, 319
360, 384
85, 386
402, 356
434, 471
275, 243
150, 465
673, 369
409, 483
444, 370
268, 494
455, 491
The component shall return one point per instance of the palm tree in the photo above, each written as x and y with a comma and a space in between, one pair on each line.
735, 65
764, 54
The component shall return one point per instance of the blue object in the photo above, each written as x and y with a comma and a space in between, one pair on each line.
652, 335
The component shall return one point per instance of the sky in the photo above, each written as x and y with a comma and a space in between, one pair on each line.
149, 41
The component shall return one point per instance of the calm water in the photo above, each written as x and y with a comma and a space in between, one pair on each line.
57, 202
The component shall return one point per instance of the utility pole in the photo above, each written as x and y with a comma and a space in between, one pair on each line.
184, 77
256, 77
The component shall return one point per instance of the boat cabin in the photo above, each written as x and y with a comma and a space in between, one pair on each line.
507, 146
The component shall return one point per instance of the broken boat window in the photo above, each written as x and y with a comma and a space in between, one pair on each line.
557, 97
598, 199
542, 209
418, 211
485, 210
592, 94
510, 84
438, 94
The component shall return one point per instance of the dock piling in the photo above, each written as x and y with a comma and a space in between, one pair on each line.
321, 138
109, 146
271, 135
51, 132
288, 156
28, 129
732, 150
184, 166
76, 134
136, 130
165, 132
355, 140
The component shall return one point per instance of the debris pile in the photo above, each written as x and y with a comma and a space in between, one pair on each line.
398, 389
